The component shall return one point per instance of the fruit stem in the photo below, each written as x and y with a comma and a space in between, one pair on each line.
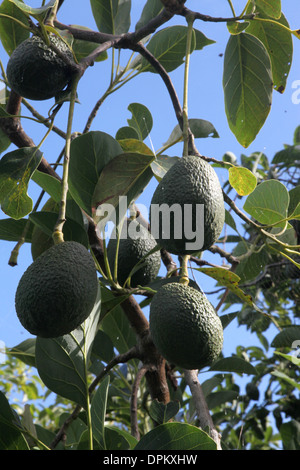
184, 276
190, 21
57, 234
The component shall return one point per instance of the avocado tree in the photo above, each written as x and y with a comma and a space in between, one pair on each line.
114, 387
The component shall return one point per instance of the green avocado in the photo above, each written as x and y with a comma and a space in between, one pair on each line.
57, 291
134, 244
187, 211
185, 327
35, 71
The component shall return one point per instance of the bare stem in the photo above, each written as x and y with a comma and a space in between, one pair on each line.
58, 228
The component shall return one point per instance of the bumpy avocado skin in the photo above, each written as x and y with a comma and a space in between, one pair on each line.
185, 327
57, 291
131, 250
191, 180
35, 71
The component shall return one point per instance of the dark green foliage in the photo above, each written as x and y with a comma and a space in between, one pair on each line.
40, 241
35, 71
57, 291
190, 181
185, 327
135, 245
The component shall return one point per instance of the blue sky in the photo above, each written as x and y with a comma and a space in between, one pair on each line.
206, 102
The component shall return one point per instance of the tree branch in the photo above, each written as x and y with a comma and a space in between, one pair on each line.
202, 410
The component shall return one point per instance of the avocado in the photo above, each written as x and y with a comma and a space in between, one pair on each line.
190, 186
35, 71
135, 242
57, 291
185, 327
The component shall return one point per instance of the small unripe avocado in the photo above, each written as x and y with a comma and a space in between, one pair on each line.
136, 242
189, 186
185, 327
57, 291
35, 71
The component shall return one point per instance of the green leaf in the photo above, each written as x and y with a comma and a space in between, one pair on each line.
236, 27
229, 279
72, 230
249, 266
287, 155
294, 200
296, 137
290, 434
162, 164
82, 49
176, 436
62, 362
126, 132
98, 412
118, 439
11, 32
268, 203
199, 127
90, 153
247, 83
294, 357
169, 47
286, 378
11, 230
125, 176
16, 168
151, 9
161, 413
141, 120
25, 351
103, 347
11, 437
112, 16
36, 12
279, 44
287, 337
270, 7
242, 180
116, 326
233, 364
216, 399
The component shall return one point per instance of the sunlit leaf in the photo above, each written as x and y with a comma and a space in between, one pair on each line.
229, 279
242, 180
270, 7
268, 203
16, 169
